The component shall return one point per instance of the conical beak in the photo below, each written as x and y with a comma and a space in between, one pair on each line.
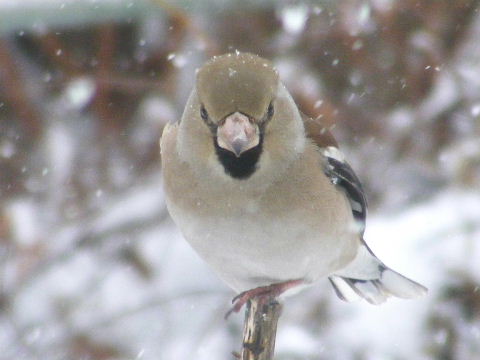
238, 134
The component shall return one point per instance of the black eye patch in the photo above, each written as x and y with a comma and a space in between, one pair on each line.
206, 119
270, 111
203, 113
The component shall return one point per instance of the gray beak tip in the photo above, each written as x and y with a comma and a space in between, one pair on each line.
237, 148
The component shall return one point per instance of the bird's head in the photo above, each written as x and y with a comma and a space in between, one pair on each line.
235, 102
237, 95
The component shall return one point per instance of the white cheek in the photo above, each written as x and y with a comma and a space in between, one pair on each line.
297, 123
299, 144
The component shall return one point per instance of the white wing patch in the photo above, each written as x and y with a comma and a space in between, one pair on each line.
334, 153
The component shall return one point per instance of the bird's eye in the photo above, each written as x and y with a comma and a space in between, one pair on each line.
270, 110
203, 113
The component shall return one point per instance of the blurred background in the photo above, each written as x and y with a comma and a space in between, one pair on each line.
92, 267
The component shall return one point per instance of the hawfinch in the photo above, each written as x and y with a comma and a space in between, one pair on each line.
262, 193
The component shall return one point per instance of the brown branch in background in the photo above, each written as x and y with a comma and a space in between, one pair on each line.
182, 21
105, 55
260, 329
59, 55
128, 84
15, 93
82, 346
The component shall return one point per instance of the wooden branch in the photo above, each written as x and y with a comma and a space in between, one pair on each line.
260, 329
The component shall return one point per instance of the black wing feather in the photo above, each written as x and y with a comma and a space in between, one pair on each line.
343, 176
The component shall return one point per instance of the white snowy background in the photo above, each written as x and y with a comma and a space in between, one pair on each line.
92, 267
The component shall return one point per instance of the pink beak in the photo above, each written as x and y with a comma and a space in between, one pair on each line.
237, 134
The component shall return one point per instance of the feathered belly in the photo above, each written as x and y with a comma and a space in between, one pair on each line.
250, 249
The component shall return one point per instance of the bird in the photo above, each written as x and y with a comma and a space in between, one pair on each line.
263, 193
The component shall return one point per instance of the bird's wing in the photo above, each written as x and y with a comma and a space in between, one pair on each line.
338, 170
366, 276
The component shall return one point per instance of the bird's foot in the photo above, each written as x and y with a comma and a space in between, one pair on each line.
265, 294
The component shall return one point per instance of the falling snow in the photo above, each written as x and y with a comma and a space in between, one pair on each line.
294, 18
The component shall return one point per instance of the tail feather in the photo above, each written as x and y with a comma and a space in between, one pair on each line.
400, 286
343, 290
368, 278
376, 291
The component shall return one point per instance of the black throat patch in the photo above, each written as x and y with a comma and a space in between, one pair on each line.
239, 167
